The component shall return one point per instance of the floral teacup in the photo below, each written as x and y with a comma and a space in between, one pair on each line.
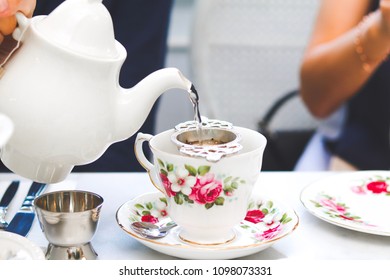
207, 199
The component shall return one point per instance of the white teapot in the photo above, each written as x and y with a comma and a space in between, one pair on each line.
61, 91
6, 129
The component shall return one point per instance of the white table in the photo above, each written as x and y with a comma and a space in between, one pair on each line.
313, 239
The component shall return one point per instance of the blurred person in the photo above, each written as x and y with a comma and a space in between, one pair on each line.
345, 80
141, 26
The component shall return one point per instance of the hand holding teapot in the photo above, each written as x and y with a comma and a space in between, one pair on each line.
8, 9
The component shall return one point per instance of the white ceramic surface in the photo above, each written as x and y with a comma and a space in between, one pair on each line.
17, 247
92, 29
196, 188
72, 100
6, 129
358, 201
267, 222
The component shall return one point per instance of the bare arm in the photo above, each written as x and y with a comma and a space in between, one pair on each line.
331, 70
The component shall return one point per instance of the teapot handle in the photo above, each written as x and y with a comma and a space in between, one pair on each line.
23, 24
149, 167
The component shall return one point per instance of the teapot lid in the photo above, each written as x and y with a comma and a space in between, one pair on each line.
83, 26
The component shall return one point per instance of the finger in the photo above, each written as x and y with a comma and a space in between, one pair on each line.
4, 6
10, 7
385, 8
1, 38
385, 3
7, 25
27, 7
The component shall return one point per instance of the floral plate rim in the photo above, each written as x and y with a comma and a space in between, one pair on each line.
331, 213
222, 247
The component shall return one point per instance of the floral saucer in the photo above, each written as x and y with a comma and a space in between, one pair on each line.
358, 201
266, 222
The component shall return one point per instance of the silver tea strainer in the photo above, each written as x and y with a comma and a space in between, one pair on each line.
212, 140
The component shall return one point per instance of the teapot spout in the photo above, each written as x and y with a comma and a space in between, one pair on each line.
134, 104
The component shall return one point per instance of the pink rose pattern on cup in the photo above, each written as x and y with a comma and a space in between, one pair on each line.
263, 221
188, 184
377, 185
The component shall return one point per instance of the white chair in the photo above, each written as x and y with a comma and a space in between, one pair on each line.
245, 56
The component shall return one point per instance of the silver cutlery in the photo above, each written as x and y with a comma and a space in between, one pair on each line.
6, 200
22, 221
152, 231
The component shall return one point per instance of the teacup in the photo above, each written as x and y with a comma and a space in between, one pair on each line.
6, 129
69, 220
206, 198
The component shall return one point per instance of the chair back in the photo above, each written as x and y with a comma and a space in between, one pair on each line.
246, 54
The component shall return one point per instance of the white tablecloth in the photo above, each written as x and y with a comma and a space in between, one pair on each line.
313, 239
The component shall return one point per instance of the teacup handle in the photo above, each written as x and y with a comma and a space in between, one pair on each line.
149, 167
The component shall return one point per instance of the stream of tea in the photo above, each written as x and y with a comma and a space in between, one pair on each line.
202, 138
194, 97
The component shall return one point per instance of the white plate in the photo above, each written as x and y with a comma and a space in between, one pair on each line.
358, 201
17, 247
251, 237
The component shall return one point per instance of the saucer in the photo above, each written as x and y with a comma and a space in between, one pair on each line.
266, 222
357, 201
16, 247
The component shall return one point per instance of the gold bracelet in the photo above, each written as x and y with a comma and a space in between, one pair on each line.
366, 65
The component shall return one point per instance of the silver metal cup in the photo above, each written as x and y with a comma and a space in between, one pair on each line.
69, 221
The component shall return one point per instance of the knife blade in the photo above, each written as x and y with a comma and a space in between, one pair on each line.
5, 201
22, 221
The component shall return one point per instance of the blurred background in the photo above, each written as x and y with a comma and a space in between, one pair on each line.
243, 56
175, 106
